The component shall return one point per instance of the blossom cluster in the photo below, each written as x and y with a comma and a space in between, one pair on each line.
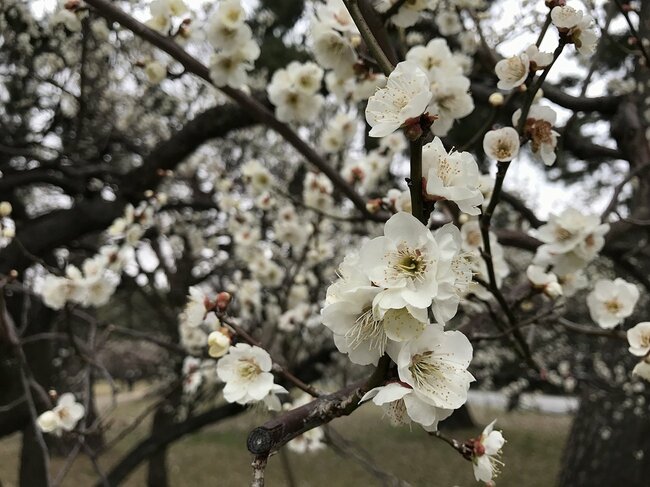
163, 13
245, 370
94, 283
7, 225
575, 28
294, 91
429, 83
570, 241
380, 306
233, 39
63, 417
639, 339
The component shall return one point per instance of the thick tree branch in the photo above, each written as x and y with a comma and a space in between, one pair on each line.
256, 109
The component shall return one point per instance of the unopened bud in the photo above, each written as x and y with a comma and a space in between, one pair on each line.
71, 5
463, 218
413, 131
496, 99
373, 206
5, 208
13, 274
148, 193
222, 301
526, 305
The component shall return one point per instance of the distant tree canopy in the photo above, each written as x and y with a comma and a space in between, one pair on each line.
313, 189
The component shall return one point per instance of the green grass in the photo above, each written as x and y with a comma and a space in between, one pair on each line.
217, 455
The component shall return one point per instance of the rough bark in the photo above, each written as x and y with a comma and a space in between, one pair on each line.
609, 443
32, 462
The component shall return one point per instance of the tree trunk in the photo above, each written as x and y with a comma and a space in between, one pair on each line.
33, 464
609, 443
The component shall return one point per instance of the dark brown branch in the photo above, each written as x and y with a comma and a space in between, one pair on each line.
276, 432
607, 105
591, 330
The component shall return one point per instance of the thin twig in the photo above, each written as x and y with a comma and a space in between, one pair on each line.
633, 31
368, 37
348, 450
415, 183
591, 330
259, 467
619, 188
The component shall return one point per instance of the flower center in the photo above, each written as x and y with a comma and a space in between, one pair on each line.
613, 306
503, 149
410, 262
446, 170
563, 234
248, 369
423, 371
367, 329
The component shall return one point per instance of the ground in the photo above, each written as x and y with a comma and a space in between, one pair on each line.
216, 456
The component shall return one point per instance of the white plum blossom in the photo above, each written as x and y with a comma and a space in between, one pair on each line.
452, 176
272, 401
450, 101
294, 92
454, 273
55, 291
642, 369
236, 50
611, 302
639, 339
259, 177
546, 282
407, 15
486, 453
436, 59
575, 27
63, 417
513, 71
538, 59
450, 98
338, 133
572, 283
230, 68
448, 22
333, 50
196, 308
362, 331
539, 128
403, 404
435, 365
334, 14
571, 240
405, 97
155, 71
404, 262
246, 370
501, 144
